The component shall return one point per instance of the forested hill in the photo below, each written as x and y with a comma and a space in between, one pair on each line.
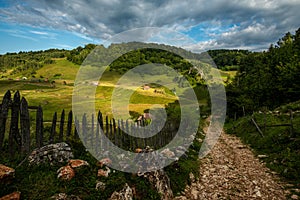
267, 79
135, 50
129, 55
22, 61
228, 60
28, 62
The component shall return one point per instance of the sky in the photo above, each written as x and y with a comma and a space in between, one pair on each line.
31, 25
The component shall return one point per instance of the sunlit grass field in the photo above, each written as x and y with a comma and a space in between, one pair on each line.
54, 97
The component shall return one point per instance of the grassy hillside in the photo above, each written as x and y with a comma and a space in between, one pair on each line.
54, 97
61, 70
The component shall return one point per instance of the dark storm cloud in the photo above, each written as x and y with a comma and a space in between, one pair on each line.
257, 22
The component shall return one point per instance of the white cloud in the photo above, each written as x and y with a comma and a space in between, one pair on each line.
64, 46
39, 32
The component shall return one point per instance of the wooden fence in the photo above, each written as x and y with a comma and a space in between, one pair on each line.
15, 121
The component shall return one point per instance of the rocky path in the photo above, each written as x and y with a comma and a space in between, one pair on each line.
231, 171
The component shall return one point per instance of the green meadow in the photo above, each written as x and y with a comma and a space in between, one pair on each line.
53, 85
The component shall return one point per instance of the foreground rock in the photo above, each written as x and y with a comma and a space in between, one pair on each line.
52, 154
6, 174
161, 182
63, 196
124, 194
66, 173
77, 164
100, 186
102, 172
12, 196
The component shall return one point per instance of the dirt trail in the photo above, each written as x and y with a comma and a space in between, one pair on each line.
231, 171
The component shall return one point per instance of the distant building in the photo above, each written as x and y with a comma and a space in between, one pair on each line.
146, 87
95, 83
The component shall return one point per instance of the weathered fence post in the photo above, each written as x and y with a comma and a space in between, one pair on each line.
124, 140
131, 138
119, 137
115, 132
53, 129
110, 131
107, 132
92, 132
106, 126
98, 124
3, 115
69, 125
39, 127
114, 125
61, 126
84, 129
100, 127
143, 132
76, 137
25, 126
14, 125
100, 120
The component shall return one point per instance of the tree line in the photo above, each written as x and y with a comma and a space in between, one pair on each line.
228, 60
29, 62
267, 79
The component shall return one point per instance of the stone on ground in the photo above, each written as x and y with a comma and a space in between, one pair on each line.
124, 194
12, 196
6, 174
52, 154
66, 173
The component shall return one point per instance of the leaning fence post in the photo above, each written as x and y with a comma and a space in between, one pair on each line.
3, 115
25, 126
14, 124
53, 128
61, 126
257, 127
39, 127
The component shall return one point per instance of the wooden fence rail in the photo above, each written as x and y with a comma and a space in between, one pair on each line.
22, 140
